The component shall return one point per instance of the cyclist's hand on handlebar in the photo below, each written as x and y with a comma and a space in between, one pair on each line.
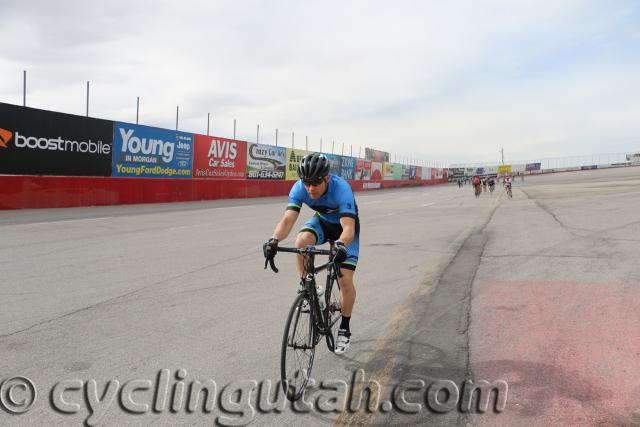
340, 255
270, 248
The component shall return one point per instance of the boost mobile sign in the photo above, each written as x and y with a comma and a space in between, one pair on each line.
143, 151
39, 142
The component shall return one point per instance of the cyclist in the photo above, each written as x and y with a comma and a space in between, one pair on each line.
476, 184
507, 182
492, 184
336, 218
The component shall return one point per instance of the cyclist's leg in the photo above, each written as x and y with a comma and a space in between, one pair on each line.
311, 233
347, 287
347, 292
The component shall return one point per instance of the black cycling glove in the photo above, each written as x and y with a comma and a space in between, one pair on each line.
341, 252
270, 248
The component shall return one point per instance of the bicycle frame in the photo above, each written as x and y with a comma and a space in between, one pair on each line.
319, 318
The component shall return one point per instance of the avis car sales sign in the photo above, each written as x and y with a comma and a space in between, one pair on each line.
219, 158
143, 151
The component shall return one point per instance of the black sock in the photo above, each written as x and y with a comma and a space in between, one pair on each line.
344, 324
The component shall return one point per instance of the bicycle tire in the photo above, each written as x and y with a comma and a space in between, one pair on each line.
334, 313
300, 310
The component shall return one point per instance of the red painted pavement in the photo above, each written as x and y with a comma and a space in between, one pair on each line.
570, 352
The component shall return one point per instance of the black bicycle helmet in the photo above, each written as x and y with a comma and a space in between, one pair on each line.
313, 166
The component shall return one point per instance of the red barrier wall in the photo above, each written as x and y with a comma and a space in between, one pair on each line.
35, 192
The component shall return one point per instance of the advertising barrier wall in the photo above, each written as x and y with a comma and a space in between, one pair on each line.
39, 192
50, 159
148, 152
39, 142
215, 157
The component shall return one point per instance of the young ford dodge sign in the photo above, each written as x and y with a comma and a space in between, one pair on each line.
143, 151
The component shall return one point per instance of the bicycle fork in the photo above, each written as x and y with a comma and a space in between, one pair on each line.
317, 314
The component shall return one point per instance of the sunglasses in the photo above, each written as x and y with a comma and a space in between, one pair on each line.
313, 182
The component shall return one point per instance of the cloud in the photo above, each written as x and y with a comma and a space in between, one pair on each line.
432, 80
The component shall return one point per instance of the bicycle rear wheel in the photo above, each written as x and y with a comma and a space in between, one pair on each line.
334, 315
298, 348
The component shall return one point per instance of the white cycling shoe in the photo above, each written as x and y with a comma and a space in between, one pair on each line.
344, 341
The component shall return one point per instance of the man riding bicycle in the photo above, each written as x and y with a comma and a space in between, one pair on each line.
492, 184
336, 219
476, 184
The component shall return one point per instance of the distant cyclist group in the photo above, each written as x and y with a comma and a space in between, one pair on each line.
483, 183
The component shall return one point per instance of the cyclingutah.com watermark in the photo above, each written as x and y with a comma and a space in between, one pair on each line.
238, 403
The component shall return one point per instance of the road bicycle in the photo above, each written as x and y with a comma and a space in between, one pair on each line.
306, 323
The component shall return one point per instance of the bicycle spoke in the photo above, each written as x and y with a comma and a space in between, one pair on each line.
334, 314
298, 349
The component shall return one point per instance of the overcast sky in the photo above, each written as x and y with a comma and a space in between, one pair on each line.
452, 81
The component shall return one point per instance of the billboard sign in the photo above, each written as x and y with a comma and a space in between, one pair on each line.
266, 161
219, 158
397, 171
406, 172
348, 168
335, 163
426, 174
40, 142
144, 151
293, 159
376, 155
376, 171
387, 170
503, 169
363, 170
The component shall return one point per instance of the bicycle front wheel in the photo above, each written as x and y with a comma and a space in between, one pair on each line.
334, 314
298, 348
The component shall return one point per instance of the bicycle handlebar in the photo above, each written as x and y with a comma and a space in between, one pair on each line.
309, 250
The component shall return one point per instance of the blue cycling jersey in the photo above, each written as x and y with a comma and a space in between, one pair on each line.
337, 202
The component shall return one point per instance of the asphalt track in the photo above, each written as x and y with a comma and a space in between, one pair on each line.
541, 291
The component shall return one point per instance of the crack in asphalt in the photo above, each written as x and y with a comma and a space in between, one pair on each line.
111, 300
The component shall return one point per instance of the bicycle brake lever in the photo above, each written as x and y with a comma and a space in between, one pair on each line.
272, 265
